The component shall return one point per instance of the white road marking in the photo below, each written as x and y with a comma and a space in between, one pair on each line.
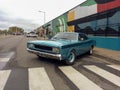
4, 59
117, 67
82, 82
3, 78
39, 80
105, 74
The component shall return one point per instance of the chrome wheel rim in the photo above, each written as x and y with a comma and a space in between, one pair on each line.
71, 57
91, 51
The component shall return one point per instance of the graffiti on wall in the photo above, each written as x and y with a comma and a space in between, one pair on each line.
97, 17
59, 24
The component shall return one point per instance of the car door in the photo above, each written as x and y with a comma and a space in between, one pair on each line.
84, 43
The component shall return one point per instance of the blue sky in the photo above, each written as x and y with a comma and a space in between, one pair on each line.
24, 13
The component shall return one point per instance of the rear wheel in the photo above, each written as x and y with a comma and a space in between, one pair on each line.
90, 51
71, 58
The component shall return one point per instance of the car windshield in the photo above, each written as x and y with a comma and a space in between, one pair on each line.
67, 36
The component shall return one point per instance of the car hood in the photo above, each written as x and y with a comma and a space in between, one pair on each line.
53, 43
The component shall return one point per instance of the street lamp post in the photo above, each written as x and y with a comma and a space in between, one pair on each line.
44, 15
44, 23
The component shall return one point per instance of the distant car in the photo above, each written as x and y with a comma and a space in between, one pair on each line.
17, 33
31, 35
63, 46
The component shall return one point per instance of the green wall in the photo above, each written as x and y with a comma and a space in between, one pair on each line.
59, 24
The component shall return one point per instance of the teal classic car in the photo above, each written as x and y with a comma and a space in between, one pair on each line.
63, 46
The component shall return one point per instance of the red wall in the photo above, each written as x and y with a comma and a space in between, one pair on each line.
108, 6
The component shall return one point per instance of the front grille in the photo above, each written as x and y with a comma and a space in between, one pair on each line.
43, 47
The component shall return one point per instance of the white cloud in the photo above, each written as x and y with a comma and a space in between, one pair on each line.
25, 13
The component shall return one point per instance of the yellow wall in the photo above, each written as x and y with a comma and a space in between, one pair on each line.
71, 16
71, 28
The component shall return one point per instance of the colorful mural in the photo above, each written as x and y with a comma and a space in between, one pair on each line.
100, 19
59, 24
104, 5
71, 15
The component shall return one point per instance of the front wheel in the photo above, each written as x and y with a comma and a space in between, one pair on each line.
90, 51
71, 59
39, 57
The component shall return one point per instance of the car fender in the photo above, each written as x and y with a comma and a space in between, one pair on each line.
71, 50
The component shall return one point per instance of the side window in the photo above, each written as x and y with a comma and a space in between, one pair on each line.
82, 37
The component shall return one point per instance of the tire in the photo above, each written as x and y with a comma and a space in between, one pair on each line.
39, 57
90, 51
71, 58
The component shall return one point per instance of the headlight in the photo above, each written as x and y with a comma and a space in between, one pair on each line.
31, 45
56, 50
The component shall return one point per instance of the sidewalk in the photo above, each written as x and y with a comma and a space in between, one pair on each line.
107, 53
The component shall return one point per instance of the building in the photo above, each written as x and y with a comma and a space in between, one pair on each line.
100, 19
16, 30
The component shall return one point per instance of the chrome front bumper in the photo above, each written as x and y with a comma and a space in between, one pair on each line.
44, 54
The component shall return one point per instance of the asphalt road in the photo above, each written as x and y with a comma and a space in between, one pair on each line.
20, 70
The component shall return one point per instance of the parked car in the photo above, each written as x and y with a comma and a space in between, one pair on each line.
31, 35
63, 46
